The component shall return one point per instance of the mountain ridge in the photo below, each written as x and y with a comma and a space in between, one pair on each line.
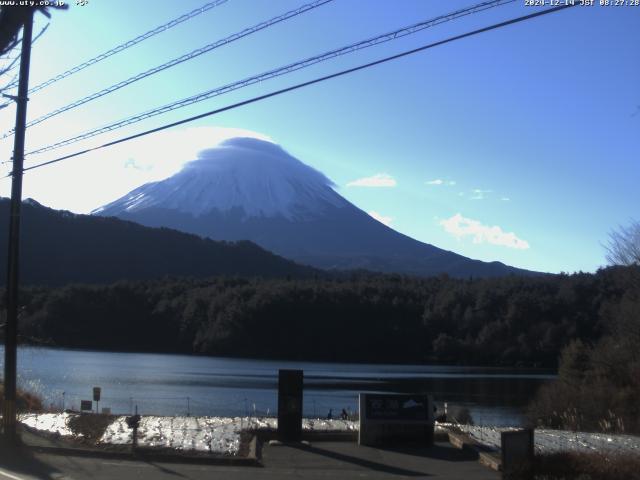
60, 247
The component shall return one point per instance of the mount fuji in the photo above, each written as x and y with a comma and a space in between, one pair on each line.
250, 189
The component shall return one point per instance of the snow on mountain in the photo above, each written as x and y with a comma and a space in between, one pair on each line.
259, 177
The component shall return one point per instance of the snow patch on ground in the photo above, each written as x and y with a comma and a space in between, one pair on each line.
56, 423
202, 434
550, 441
221, 435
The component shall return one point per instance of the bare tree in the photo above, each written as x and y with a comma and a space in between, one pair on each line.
623, 247
12, 19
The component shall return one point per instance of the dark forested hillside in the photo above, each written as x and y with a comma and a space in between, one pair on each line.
376, 318
59, 247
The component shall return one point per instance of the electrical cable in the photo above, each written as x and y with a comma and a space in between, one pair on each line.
130, 43
176, 61
274, 73
307, 83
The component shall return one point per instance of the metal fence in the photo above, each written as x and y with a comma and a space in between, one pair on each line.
315, 405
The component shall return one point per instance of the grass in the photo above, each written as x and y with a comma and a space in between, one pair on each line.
587, 466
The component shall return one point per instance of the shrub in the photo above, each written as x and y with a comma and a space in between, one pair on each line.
460, 415
25, 401
598, 387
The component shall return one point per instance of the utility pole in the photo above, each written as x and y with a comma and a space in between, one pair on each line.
11, 327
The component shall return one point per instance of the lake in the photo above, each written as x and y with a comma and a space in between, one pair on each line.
167, 384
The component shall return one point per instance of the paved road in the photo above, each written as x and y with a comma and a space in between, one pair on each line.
321, 460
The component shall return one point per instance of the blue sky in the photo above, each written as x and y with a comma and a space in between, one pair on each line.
519, 145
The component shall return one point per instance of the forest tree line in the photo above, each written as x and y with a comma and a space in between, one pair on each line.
598, 385
510, 321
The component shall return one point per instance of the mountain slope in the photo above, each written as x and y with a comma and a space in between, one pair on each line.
59, 247
252, 189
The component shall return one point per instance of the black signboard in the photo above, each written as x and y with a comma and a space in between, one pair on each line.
290, 405
391, 419
86, 405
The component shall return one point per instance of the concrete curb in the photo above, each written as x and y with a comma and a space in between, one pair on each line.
313, 436
486, 457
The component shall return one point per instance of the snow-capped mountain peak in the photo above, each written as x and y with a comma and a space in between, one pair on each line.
254, 175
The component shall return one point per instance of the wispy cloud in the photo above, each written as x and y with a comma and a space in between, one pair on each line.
131, 163
439, 181
377, 180
479, 194
459, 227
505, 199
381, 218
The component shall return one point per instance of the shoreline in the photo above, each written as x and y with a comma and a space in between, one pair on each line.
547, 372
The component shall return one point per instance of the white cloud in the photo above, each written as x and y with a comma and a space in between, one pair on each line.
377, 180
439, 181
165, 153
505, 199
381, 218
459, 227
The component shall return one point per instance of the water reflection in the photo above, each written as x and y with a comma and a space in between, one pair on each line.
181, 384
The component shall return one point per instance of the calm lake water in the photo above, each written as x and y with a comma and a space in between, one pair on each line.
180, 384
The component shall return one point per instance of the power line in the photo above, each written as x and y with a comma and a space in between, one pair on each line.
130, 43
275, 73
304, 84
176, 61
